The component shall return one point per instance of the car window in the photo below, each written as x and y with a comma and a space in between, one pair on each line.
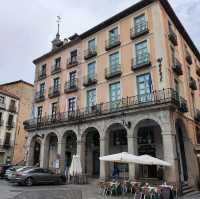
37, 171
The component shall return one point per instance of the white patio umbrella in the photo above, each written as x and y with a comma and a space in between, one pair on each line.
123, 157
75, 167
149, 160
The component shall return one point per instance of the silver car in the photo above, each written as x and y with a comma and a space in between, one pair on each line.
35, 176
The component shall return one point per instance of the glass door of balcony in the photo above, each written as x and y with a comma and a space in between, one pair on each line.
72, 79
91, 100
113, 36
144, 86
115, 96
91, 71
113, 62
141, 53
140, 24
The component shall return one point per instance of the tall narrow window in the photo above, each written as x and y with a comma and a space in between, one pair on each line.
91, 71
1, 121
56, 82
177, 87
73, 56
43, 69
2, 100
10, 120
7, 139
115, 95
72, 104
173, 55
113, 35
72, 79
144, 85
92, 45
54, 109
140, 24
193, 104
91, 97
39, 112
114, 62
42, 89
142, 56
57, 62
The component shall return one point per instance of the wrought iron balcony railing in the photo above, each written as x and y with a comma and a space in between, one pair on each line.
141, 61
54, 91
113, 71
167, 97
193, 84
88, 80
40, 96
139, 30
71, 86
173, 37
177, 67
41, 75
56, 69
89, 53
188, 57
112, 42
197, 115
73, 61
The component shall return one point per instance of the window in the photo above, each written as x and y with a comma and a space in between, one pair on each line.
92, 44
113, 35
54, 107
42, 88
140, 24
173, 55
7, 139
177, 89
56, 82
1, 116
72, 104
189, 73
39, 112
115, 94
114, 62
144, 86
12, 103
43, 69
57, 62
73, 56
198, 135
2, 100
170, 26
91, 70
141, 53
193, 104
72, 79
91, 97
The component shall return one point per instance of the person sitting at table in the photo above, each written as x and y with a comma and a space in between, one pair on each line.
115, 174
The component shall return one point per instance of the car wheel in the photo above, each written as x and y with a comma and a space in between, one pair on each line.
29, 182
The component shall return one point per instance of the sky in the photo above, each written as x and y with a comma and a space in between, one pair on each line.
27, 27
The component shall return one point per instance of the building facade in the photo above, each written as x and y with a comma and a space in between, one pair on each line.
131, 83
25, 92
9, 107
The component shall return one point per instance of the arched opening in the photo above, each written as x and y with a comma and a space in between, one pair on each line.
92, 152
70, 140
52, 144
35, 151
149, 142
182, 140
117, 141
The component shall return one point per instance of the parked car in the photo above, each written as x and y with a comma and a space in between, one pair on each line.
3, 168
13, 170
10, 171
35, 176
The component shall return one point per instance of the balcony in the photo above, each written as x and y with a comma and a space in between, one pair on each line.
1, 122
54, 91
141, 61
89, 81
198, 71
177, 67
193, 84
188, 57
183, 107
42, 75
112, 43
157, 99
139, 30
73, 61
197, 116
2, 105
71, 86
55, 69
39, 96
173, 37
12, 108
89, 53
10, 125
112, 72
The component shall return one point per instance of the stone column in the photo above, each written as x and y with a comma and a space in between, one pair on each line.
61, 155
29, 158
44, 153
103, 152
81, 152
169, 149
131, 150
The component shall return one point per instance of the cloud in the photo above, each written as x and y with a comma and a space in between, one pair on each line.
27, 27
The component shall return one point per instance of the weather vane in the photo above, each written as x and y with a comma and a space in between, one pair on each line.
58, 21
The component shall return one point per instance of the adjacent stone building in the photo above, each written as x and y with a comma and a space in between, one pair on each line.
131, 83
24, 92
